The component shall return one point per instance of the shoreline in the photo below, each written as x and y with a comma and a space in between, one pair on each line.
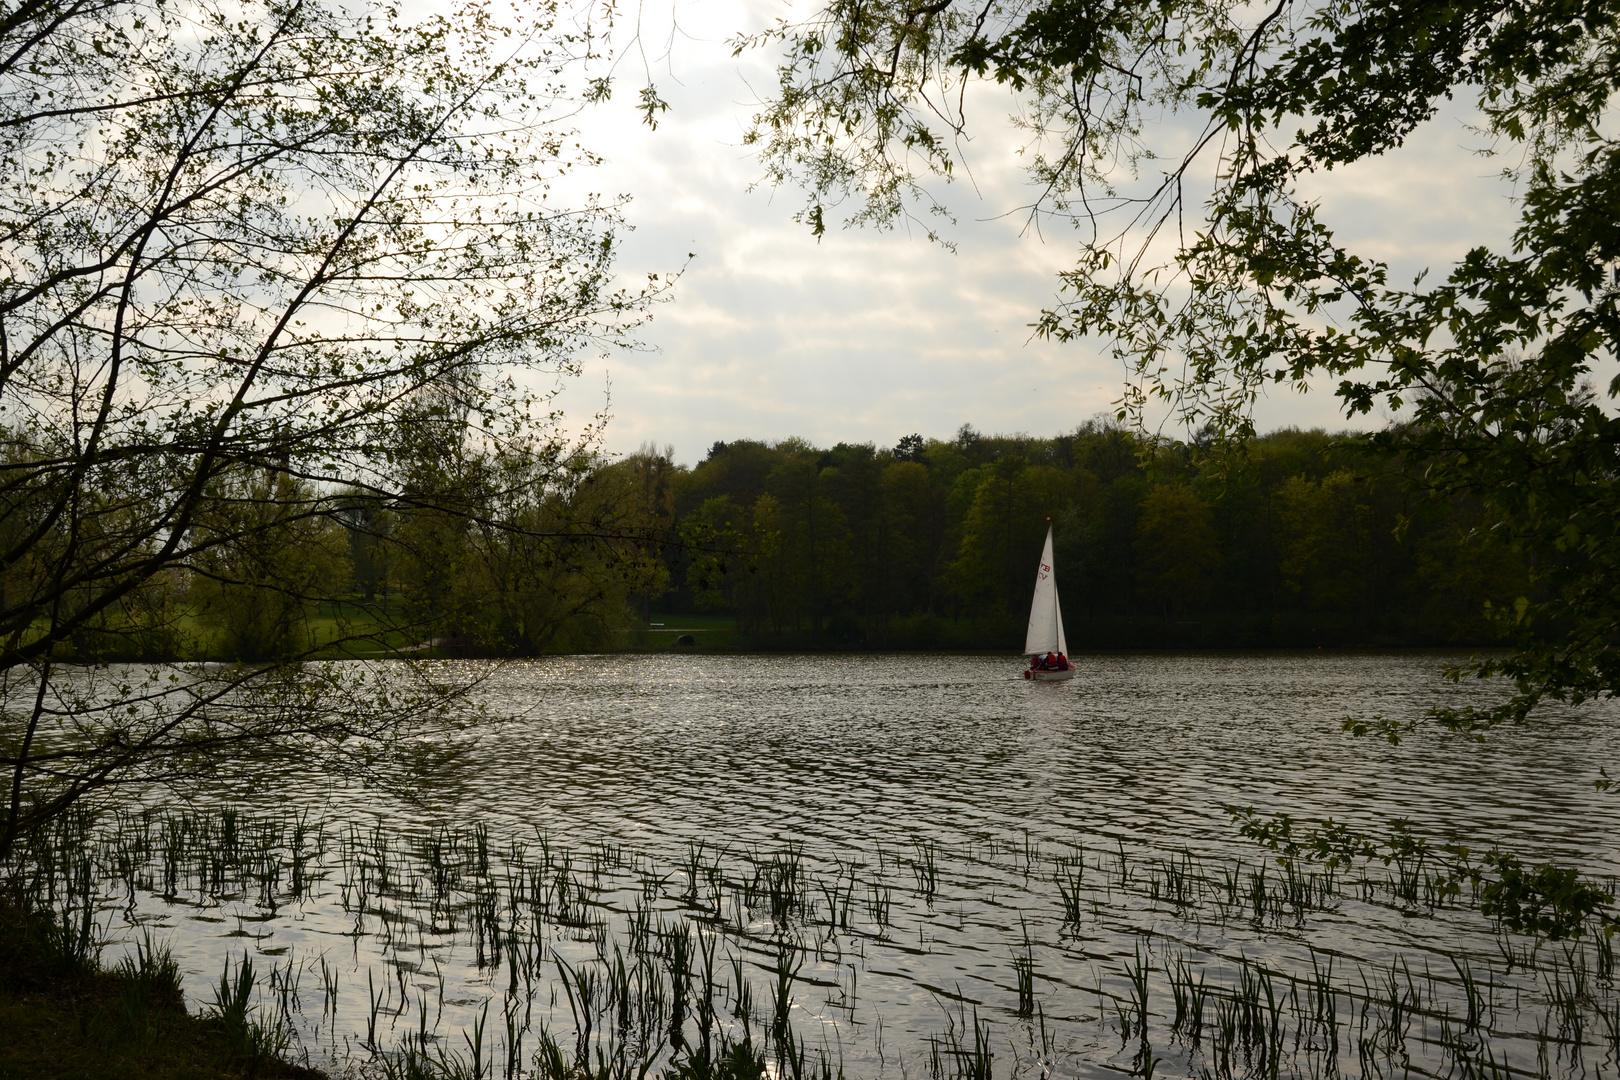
65, 1017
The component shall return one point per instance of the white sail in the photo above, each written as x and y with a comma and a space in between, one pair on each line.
1045, 613
1057, 616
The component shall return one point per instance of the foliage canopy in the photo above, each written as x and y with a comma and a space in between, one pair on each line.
268, 269
1214, 277
1310, 540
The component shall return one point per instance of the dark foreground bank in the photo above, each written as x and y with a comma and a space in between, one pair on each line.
63, 1017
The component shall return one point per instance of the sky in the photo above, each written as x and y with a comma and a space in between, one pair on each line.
866, 336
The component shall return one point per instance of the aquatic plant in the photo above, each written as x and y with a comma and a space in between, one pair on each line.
609, 964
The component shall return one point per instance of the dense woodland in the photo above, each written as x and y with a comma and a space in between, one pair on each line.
490, 553
1302, 539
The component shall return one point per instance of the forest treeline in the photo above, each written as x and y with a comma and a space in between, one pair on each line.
1302, 538
500, 550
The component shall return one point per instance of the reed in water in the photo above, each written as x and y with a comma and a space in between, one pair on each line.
453, 954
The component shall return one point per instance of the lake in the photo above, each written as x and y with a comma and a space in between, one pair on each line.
898, 866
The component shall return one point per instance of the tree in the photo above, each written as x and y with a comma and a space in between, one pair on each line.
995, 528
551, 583
1319, 542
917, 505
1177, 549
909, 448
1208, 299
1002, 533
259, 579
250, 252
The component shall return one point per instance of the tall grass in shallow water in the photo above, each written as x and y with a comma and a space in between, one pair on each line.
447, 952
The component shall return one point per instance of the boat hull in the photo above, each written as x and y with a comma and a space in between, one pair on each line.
1049, 676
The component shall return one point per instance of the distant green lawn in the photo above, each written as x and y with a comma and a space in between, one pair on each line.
344, 628
355, 629
711, 632
349, 629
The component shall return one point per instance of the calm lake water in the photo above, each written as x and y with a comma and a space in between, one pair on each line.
910, 865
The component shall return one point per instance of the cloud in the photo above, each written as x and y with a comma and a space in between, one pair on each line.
867, 335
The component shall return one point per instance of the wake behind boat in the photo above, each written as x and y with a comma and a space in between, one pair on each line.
1044, 643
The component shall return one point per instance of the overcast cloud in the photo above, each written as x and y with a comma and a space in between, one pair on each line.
866, 336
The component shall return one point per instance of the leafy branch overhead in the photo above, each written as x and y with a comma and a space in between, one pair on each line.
270, 272
1177, 138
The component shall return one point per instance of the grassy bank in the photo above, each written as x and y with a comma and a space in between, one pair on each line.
64, 1017
698, 633
348, 629
990, 633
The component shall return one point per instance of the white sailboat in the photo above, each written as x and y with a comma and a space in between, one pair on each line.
1045, 633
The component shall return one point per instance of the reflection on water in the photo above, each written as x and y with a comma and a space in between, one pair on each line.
911, 864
